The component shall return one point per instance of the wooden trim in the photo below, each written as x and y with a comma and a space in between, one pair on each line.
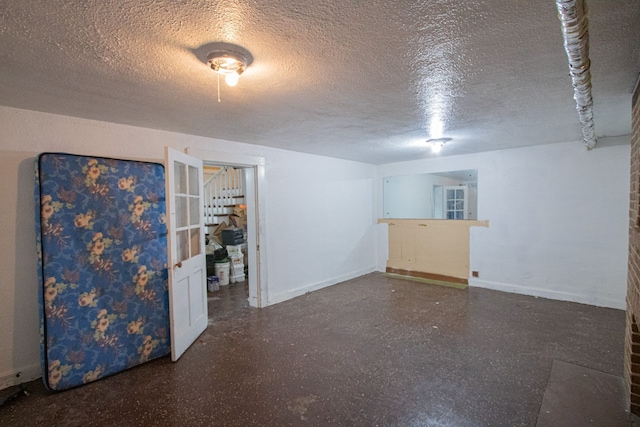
429, 276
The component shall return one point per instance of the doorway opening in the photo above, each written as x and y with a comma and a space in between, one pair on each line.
251, 172
225, 229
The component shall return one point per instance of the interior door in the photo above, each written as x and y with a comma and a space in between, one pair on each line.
187, 263
455, 202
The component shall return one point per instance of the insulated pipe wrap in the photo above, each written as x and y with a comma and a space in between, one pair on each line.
575, 29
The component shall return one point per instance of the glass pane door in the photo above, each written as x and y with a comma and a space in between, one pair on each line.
187, 209
455, 202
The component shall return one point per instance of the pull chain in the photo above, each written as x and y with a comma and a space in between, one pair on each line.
218, 87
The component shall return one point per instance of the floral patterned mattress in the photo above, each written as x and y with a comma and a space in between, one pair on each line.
102, 253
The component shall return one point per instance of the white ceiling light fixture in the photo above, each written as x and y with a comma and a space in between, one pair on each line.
228, 61
436, 128
228, 64
436, 144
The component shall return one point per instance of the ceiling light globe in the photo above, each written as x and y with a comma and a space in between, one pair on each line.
232, 79
436, 129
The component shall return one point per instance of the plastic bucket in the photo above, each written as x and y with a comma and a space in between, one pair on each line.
237, 278
221, 269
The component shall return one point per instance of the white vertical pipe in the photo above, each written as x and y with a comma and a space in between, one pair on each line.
216, 195
207, 201
227, 186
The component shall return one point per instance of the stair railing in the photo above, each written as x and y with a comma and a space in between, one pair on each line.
220, 193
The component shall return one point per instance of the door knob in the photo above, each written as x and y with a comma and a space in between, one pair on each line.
179, 265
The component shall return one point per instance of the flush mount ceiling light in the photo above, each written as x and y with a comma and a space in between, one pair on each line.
436, 144
228, 61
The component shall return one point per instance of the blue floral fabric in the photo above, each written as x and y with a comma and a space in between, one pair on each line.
102, 252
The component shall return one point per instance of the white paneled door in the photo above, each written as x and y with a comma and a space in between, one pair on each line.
187, 262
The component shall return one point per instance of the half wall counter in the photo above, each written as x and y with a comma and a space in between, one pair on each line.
432, 249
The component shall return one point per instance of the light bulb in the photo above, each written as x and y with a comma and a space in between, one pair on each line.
232, 79
437, 128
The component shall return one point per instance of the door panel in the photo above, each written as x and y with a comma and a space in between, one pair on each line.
187, 269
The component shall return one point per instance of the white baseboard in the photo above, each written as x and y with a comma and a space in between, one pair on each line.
275, 299
19, 376
596, 300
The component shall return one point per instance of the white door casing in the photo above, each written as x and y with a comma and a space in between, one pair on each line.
187, 263
255, 171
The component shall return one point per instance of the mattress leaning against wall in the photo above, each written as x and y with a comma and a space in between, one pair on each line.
102, 255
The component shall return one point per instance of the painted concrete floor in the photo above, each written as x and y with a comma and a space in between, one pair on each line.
370, 351
579, 396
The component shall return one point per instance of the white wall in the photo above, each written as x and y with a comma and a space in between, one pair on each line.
407, 196
558, 219
411, 196
326, 231
473, 200
320, 219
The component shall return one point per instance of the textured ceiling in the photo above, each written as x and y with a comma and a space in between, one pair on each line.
360, 80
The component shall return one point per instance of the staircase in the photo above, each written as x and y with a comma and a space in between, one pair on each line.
223, 190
